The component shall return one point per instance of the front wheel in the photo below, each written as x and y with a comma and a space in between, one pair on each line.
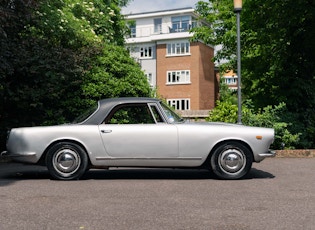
66, 161
231, 160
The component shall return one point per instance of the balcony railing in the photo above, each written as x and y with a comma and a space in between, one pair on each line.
160, 29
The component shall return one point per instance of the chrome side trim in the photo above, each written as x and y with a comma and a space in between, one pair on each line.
147, 158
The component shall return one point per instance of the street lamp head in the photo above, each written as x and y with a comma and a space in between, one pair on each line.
237, 5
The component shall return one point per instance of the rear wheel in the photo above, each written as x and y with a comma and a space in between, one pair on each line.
66, 161
231, 160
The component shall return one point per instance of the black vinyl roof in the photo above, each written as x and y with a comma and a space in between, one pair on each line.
106, 105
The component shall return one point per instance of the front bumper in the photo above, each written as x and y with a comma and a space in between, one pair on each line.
260, 156
270, 153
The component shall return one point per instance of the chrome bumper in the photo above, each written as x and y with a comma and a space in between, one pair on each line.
4, 156
270, 153
29, 157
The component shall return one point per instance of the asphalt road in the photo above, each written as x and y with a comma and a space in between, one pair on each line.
279, 193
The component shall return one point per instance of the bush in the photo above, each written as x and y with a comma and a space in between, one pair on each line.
269, 117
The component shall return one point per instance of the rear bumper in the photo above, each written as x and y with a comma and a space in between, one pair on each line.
28, 157
4, 153
4, 157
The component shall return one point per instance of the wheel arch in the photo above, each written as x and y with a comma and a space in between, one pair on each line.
222, 142
43, 156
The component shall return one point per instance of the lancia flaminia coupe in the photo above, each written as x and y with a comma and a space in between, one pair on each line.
139, 132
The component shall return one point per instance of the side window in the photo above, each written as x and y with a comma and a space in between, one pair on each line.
131, 114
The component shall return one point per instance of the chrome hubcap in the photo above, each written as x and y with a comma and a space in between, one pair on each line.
232, 161
66, 161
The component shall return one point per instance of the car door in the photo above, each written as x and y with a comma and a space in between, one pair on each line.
137, 131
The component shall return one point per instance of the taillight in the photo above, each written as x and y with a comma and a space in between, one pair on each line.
8, 133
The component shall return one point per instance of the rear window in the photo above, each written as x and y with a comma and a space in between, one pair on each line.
86, 114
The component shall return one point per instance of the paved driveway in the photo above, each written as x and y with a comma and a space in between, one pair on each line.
279, 193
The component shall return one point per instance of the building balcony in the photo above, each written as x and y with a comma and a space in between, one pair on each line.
147, 31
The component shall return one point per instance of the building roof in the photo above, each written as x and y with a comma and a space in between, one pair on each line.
161, 13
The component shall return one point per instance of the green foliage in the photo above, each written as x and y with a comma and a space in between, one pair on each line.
272, 117
113, 73
226, 95
220, 27
278, 54
223, 112
59, 56
38, 86
269, 117
77, 23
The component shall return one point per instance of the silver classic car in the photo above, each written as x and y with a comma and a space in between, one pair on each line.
139, 132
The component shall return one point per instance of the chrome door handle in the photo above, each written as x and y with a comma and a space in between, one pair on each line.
106, 131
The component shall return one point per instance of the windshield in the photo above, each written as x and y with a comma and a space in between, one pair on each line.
86, 114
171, 115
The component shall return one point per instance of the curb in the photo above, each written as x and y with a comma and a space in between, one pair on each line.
296, 153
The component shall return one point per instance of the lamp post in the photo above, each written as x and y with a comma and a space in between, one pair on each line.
237, 10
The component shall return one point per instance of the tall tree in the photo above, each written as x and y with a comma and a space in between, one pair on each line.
280, 62
50, 51
278, 54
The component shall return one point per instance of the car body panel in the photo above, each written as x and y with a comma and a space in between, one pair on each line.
23, 141
206, 135
156, 140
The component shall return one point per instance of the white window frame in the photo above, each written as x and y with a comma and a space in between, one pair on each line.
179, 104
230, 80
150, 78
181, 23
133, 31
178, 77
178, 48
145, 52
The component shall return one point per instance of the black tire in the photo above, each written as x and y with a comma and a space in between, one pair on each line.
66, 161
231, 160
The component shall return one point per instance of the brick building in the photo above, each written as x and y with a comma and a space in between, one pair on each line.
181, 71
230, 79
